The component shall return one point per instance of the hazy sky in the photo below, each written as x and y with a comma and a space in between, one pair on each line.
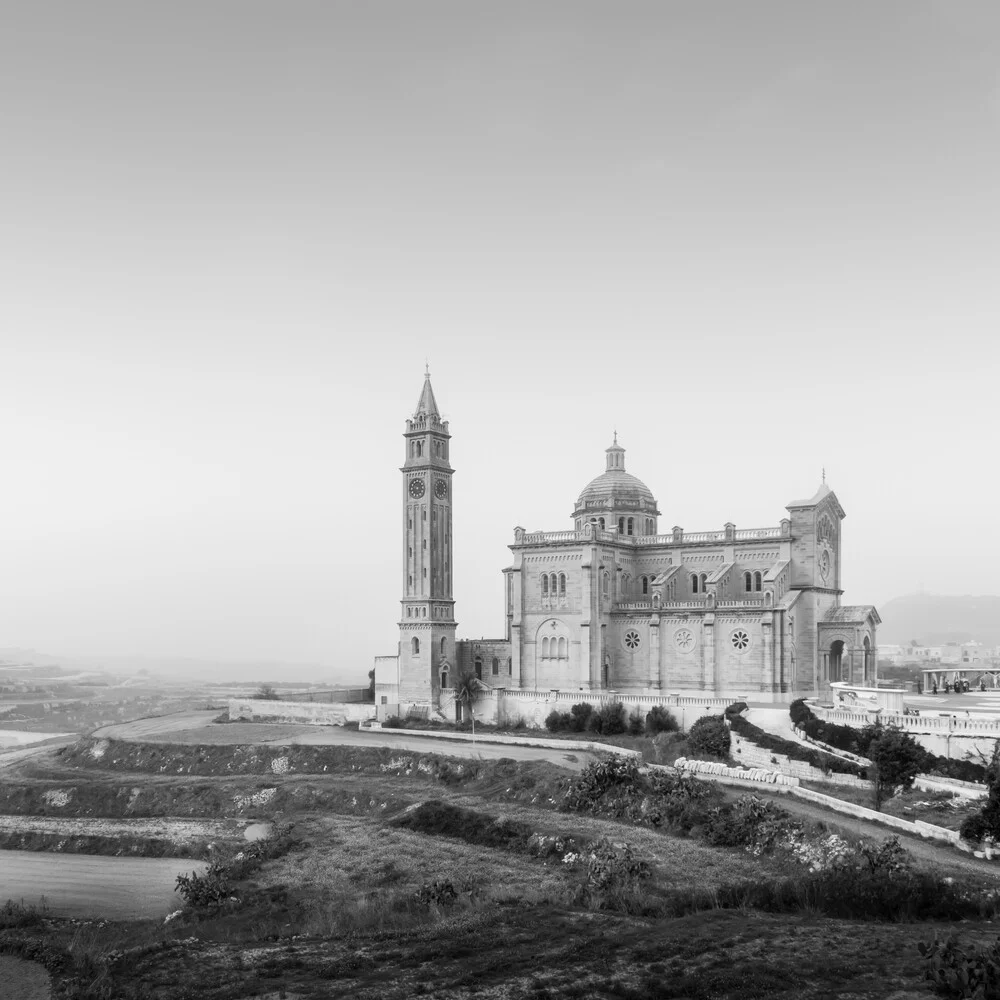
758, 238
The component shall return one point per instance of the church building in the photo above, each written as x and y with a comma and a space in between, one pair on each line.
613, 605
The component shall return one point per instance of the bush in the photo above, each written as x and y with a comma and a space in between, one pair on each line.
612, 719
636, 723
556, 722
750, 822
616, 788
659, 720
962, 972
207, 890
440, 893
580, 715
709, 735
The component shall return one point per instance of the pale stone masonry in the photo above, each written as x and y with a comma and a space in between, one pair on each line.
613, 605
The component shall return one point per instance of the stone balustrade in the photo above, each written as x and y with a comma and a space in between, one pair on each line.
931, 724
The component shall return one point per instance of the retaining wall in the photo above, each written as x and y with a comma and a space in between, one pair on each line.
757, 777
308, 713
751, 755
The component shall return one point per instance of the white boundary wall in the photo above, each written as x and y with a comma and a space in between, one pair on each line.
308, 713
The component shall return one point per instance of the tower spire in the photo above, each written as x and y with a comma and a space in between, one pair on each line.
427, 404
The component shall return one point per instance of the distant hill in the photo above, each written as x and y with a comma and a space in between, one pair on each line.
933, 620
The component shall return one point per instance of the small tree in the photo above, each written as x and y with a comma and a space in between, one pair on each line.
986, 823
897, 758
468, 690
371, 684
266, 692
710, 735
659, 720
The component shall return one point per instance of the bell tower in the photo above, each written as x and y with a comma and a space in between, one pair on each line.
427, 615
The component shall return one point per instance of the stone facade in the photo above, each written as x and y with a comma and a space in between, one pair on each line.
612, 605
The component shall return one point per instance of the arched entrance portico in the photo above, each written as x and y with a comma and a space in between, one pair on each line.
836, 666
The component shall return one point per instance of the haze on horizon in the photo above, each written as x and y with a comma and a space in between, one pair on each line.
760, 240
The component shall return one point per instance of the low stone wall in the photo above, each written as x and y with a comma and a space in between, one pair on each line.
757, 775
308, 713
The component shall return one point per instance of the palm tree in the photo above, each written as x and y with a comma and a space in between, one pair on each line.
468, 689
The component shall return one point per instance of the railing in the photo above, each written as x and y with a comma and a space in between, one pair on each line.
652, 539
606, 535
633, 605
684, 604
739, 604
914, 723
744, 534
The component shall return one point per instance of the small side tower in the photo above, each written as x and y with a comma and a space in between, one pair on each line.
427, 616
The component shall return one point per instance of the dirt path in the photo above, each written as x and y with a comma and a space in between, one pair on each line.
24, 980
177, 830
81, 885
143, 729
197, 727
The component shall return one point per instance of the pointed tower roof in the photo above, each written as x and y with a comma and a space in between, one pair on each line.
427, 404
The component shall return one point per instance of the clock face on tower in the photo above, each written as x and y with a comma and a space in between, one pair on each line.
416, 488
440, 489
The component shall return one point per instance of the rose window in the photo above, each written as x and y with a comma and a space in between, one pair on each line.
684, 639
632, 639
740, 640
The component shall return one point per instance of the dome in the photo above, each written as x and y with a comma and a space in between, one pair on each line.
615, 484
615, 489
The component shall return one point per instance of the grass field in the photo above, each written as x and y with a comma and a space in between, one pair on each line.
351, 910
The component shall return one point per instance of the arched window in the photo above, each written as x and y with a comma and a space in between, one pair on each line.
444, 645
444, 678
621, 526
756, 581
414, 645
496, 667
545, 647
631, 522
545, 585
510, 667
746, 581
553, 584
479, 667
645, 584
694, 583
420, 449
704, 580
600, 521
561, 648
606, 584
562, 584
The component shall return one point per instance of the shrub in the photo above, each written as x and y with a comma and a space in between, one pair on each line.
207, 890
580, 715
439, 893
750, 822
554, 721
636, 723
659, 720
709, 735
614, 866
612, 717
962, 972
